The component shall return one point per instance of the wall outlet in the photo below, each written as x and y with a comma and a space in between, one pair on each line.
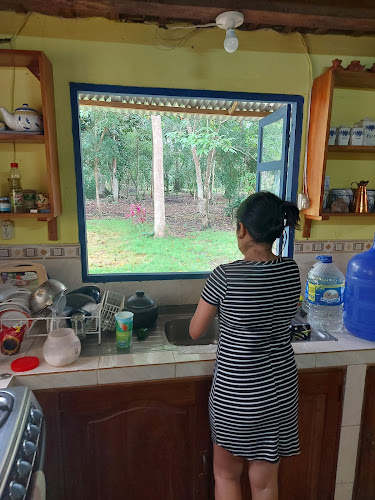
7, 230
303, 201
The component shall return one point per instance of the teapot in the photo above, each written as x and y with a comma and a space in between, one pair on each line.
24, 119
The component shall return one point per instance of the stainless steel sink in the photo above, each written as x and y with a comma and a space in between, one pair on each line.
177, 333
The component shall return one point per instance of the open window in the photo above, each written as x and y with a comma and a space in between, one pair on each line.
160, 174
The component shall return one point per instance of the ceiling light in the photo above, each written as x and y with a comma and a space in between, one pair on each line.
228, 21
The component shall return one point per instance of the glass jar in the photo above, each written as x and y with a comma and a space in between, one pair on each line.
5, 204
62, 347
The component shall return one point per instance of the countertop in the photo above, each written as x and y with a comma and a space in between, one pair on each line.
154, 358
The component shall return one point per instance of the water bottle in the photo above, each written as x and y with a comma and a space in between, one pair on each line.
325, 286
359, 295
15, 189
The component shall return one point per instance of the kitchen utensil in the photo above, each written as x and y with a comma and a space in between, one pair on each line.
332, 136
45, 294
90, 290
25, 364
113, 302
24, 119
62, 347
144, 308
24, 274
356, 136
369, 132
79, 321
360, 202
78, 300
343, 135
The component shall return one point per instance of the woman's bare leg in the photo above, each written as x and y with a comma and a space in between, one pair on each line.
263, 478
227, 471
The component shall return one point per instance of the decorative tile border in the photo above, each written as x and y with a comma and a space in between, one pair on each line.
332, 246
26, 252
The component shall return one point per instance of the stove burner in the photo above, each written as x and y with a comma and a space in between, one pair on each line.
6, 405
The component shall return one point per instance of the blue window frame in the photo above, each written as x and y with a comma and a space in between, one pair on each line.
294, 104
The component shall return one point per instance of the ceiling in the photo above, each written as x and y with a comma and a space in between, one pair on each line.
355, 18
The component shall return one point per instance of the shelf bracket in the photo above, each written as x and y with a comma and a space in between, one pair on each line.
306, 230
52, 229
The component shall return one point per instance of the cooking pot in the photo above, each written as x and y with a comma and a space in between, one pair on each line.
144, 309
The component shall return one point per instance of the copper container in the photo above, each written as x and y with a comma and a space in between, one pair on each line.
360, 198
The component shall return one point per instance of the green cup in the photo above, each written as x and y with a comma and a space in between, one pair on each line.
124, 329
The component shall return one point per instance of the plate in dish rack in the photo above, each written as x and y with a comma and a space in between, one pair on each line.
10, 317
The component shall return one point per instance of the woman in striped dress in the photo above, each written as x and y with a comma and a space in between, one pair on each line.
253, 401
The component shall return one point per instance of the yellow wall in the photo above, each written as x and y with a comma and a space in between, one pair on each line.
104, 52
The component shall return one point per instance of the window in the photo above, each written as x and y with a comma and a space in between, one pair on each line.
161, 172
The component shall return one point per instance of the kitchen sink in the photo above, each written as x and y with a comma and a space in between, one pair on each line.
177, 333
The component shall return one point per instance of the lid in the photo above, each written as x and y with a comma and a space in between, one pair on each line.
140, 300
325, 259
14, 165
25, 107
25, 364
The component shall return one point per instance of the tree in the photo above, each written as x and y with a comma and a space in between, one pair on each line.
158, 177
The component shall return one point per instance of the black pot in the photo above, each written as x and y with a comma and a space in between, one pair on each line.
144, 309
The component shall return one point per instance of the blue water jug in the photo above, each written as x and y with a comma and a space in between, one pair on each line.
359, 295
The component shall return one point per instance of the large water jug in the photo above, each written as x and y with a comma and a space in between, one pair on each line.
359, 296
325, 291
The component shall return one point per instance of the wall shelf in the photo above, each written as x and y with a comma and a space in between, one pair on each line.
351, 149
19, 137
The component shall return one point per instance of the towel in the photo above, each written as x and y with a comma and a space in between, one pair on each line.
197, 349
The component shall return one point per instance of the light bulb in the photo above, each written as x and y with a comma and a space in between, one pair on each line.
231, 41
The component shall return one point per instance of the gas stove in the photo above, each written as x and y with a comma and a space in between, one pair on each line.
21, 442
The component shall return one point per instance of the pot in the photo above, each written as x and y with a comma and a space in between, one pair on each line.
144, 309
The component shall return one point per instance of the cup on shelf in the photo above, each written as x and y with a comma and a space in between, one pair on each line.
332, 136
343, 136
356, 136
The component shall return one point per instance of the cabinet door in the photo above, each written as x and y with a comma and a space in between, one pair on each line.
311, 475
135, 441
364, 486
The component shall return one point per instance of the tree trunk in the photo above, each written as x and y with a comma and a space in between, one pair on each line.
202, 202
137, 176
114, 180
96, 165
158, 177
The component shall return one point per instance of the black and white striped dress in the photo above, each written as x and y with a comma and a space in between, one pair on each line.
254, 395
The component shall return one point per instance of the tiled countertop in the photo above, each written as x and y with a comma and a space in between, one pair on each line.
150, 362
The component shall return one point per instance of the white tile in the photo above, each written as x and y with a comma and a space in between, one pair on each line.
347, 454
58, 380
137, 359
345, 358
305, 361
135, 373
195, 368
353, 398
302, 348
344, 491
183, 358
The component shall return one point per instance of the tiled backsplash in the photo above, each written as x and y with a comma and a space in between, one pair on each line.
63, 263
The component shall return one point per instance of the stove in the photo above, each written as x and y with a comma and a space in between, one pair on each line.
22, 432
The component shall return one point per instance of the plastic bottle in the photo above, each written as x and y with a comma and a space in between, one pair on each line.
15, 189
359, 295
325, 285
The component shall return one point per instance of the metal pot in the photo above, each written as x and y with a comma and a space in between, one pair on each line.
144, 309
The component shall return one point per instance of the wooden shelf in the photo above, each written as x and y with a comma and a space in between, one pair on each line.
351, 149
21, 138
327, 215
40, 217
354, 79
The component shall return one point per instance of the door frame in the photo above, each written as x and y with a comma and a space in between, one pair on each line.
296, 102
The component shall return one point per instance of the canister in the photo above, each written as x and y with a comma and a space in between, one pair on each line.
369, 133
29, 199
5, 204
356, 136
343, 136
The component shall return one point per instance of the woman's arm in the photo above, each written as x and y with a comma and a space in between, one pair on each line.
202, 319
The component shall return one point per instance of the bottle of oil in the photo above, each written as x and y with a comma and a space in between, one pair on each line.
15, 189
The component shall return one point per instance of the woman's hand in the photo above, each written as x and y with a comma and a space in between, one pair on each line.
202, 319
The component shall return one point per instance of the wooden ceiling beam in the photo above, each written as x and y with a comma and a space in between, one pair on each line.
175, 110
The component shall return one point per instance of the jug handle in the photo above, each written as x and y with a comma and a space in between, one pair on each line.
354, 183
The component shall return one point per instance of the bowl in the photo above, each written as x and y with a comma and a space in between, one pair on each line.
45, 294
78, 300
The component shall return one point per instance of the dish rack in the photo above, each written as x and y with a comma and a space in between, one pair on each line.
103, 319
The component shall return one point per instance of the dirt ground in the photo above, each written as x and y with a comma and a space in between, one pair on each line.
180, 211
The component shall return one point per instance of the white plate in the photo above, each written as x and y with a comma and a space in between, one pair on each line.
11, 317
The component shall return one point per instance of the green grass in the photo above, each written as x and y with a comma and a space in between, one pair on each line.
117, 246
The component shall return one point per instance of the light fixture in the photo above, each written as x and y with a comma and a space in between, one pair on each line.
228, 21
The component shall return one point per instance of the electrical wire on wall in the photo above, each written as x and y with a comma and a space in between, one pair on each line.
160, 29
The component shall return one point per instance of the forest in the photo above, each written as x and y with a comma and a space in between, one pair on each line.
163, 176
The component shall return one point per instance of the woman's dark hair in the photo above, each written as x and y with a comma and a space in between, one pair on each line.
265, 216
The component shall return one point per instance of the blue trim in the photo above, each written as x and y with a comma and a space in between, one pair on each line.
295, 100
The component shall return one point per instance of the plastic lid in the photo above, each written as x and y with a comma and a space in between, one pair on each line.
14, 165
25, 364
140, 300
325, 259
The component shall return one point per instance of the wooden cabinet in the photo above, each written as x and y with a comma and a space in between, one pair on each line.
152, 440
318, 150
38, 64
133, 441
364, 486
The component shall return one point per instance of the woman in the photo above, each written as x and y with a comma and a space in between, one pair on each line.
253, 401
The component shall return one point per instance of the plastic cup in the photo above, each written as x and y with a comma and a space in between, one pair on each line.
124, 329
